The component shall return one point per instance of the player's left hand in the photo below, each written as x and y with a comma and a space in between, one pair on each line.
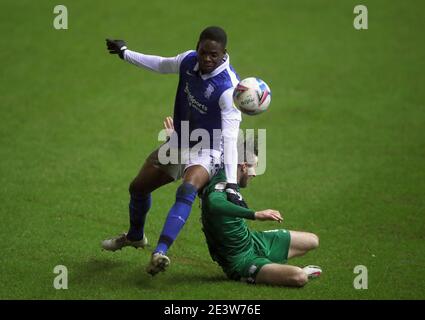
116, 47
234, 196
169, 126
268, 214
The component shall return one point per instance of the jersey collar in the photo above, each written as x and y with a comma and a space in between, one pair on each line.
217, 70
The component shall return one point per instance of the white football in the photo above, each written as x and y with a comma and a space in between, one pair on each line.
252, 96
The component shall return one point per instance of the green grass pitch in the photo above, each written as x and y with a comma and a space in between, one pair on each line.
345, 144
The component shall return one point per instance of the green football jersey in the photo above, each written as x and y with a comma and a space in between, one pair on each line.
229, 240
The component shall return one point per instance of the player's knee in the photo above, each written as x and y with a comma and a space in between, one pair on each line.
132, 188
310, 242
299, 278
136, 187
314, 241
197, 176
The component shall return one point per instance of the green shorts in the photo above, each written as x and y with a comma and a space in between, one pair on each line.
270, 246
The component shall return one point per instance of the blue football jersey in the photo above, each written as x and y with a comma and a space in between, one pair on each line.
197, 98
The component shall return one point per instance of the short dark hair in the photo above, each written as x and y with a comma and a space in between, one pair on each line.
215, 34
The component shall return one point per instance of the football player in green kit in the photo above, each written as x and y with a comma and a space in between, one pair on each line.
245, 255
252, 256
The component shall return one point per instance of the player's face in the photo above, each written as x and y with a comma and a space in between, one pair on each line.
245, 173
210, 55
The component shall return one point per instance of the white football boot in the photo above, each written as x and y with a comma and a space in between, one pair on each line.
121, 241
159, 262
312, 271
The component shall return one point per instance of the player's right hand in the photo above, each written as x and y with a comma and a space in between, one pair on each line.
268, 214
116, 47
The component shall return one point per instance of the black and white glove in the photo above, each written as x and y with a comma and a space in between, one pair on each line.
116, 47
234, 196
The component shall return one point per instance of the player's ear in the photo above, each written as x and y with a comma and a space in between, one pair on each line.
244, 167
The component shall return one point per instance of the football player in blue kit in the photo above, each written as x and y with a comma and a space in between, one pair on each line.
203, 102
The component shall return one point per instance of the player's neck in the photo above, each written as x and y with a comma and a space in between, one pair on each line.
221, 62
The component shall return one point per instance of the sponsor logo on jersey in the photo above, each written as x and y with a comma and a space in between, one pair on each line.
193, 102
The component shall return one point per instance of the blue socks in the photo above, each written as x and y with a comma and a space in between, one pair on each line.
177, 216
140, 204
138, 209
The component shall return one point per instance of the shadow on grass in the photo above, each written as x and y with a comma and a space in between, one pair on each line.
96, 269
177, 279
96, 265
104, 272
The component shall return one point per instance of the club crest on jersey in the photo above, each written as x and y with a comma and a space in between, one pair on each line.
208, 91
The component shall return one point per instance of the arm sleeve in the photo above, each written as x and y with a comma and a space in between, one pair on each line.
155, 63
218, 204
230, 121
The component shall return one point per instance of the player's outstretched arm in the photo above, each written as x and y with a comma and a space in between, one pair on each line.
150, 62
268, 214
218, 203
